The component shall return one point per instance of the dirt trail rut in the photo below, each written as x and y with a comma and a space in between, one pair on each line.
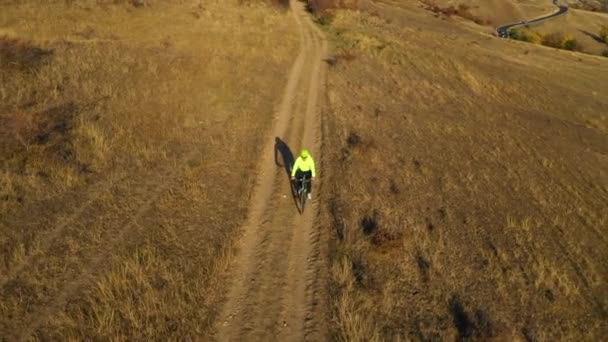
274, 290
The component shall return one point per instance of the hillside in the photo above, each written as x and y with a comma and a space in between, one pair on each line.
123, 131
497, 12
599, 6
583, 26
468, 187
146, 149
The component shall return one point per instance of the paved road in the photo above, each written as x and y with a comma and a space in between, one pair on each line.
503, 31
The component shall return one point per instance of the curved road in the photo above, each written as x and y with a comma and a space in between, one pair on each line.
503, 31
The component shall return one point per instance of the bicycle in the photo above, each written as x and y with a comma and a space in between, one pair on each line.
301, 192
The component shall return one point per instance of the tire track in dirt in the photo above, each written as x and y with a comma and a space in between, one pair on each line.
305, 242
273, 279
265, 250
254, 242
288, 228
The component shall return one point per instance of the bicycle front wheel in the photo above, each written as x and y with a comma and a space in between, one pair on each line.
303, 198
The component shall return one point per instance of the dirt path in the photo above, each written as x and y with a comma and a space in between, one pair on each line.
274, 281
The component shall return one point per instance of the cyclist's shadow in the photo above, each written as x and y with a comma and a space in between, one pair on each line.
281, 148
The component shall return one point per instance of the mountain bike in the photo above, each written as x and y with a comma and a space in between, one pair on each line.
301, 192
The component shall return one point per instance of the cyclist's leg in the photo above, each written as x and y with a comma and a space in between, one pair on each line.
309, 176
298, 181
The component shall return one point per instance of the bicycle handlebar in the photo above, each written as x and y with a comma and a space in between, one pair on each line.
303, 178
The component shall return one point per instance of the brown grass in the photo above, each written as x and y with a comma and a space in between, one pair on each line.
283, 4
556, 40
122, 131
584, 27
341, 56
467, 189
332, 4
18, 53
20, 129
462, 10
589, 5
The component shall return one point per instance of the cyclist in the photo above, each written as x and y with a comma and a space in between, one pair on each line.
304, 166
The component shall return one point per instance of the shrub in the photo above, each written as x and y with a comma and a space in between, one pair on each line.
554, 40
569, 43
531, 37
604, 33
325, 18
560, 41
514, 34
526, 36
605, 53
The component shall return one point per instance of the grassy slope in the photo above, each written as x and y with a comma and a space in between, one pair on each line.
582, 25
497, 12
122, 177
469, 183
598, 6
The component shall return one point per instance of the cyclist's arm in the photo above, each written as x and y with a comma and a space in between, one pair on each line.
295, 167
312, 167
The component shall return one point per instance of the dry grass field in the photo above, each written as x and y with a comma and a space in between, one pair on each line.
128, 135
485, 16
461, 193
599, 6
584, 26
493, 12
468, 189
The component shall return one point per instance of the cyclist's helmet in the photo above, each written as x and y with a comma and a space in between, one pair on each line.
305, 154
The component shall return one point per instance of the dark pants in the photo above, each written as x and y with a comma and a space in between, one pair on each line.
301, 174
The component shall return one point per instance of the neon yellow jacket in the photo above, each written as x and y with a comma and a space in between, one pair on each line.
304, 165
